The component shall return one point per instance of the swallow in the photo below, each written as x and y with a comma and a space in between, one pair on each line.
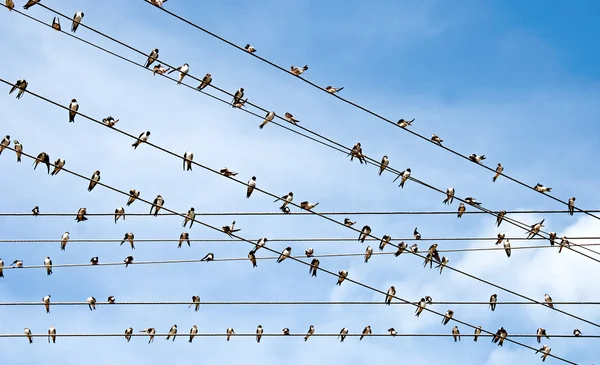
27, 331
548, 300
76, 21
63, 241
348, 222
287, 198
501, 237
385, 161
311, 331
119, 212
545, 352
356, 151
230, 332
442, 264
153, 56
269, 117
94, 180
449, 196
111, 299
571, 205
110, 121
17, 263
172, 332
184, 237
416, 234
414, 248
366, 332
252, 258
343, 334
436, 139
229, 230
314, 265
390, 295
284, 254
189, 217
499, 170
342, 275
447, 317
405, 175
46, 301
420, 306
251, 186
552, 238
193, 332
307, 205
128, 260
94, 260
298, 70
91, 301
368, 253
576, 332
542, 189
239, 104
461, 210
535, 229
500, 217
52, 334
392, 332
128, 333
564, 242
541, 332
48, 264
5, 143
195, 302
188, 158
364, 232
259, 332
285, 331
430, 255
237, 97
333, 90
133, 195
2, 268
143, 138
428, 299
129, 236
507, 248
472, 201
156, 204
477, 159
226, 172
151, 331
206, 80
477, 333
183, 70
35, 211
404, 123
73, 108
10, 5
290, 118
493, 301
309, 252
249, 48
456, 333
499, 336
58, 165
21, 85
158, 3
44, 158
384, 241
159, 69
261, 243
208, 257
18, 149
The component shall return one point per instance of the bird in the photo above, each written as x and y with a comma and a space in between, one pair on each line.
364, 232
414, 248
206, 80
129, 236
157, 204
314, 265
343, 334
284, 254
348, 222
30, 3
21, 85
564, 242
420, 306
261, 243
384, 241
188, 158
18, 149
500, 217
111, 299
306, 205
183, 70
548, 300
392, 332
10, 5
44, 158
442, 264
46, 301
333, 90
94, 180
193, 332
229, 230
110, 121
311, 331
432, 254
541, 188
472, 201
259, 332
128, 333
63, 241
477, 333
133, 195
405, 175
230, 332
404, 123
449, 196
73, 108
237, 97
269, 117
35, 211
342, 275
576, 332
285, 331
545, 352
436, 139
208, 257
94, 260
251, 186
416, 234
499, 337
252, 258
76, 21
249, 48
428, 299
159, 69
290, 118
309, 252
499, 170
493, 301
189, 217
541, 332
571, 205
501, 237
5, 143
385, 161
2, 268
195, 302
184, 237
447, 317
287, 198
150, 331
172, 332
456, 333
356, 151
143, 138
128, 260
27, 332
390, 295
461, 210
17, 263
48, 264
153, 56
507, 248
58, 165
158, 3
298, 70
366, 332
239, 104
52, 334
226, 172
552, 238
535, 229
91, 301
368, 253
119, 212
477, 159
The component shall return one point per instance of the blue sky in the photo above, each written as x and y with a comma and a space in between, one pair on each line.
515, 81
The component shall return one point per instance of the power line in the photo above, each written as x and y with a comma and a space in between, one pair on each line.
456, 153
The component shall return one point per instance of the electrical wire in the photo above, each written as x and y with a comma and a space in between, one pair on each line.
456, 153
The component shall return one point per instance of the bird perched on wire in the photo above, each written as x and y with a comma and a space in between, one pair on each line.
10, 5
208, 257
188, 158
5, 143
309, 252
159, 69
456, 333
401, 248
111, 299
94, 260
499, 170
26, 330
493, 301
229, 230
269, 117
306, 205
18, 149
128, 333
150, 331
507, 248
63, 241
442, 264
357, 152
541, 188
226, 172
535, 229
348, 222
183, 70
390, 295
129, 237
405, 175
342, 275
35, 211
314, 265
449, 196
172, 332
46, 301
80, 217
472, 201
252, 258
237, 97
251, 186
290, 118
110, 121
461, 210
284, 254
158, 3
133, 195
384, 241
195, 302
500, 217
119, 212
249, 48
94, 180
564, 242
571, 205
143, 138
447, 317
368, 253
364, 232
189, 217
541, 332
48, 265
548, 300
128, 260
76, 21
287, 198
153, 56
436, 139
366, 332
73, 108
385, 161
58, 165
259, 333
298, 70
184, 237
311, 331
206, 80
91, 301
333, 90
545, 352
501, 237
52, 334
21, 85
343, 334
404, 123
44, 158
476, 158
157, 204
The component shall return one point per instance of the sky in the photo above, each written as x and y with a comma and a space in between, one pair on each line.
516, 81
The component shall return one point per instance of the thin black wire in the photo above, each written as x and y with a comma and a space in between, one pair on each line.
307, 264
365, 109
